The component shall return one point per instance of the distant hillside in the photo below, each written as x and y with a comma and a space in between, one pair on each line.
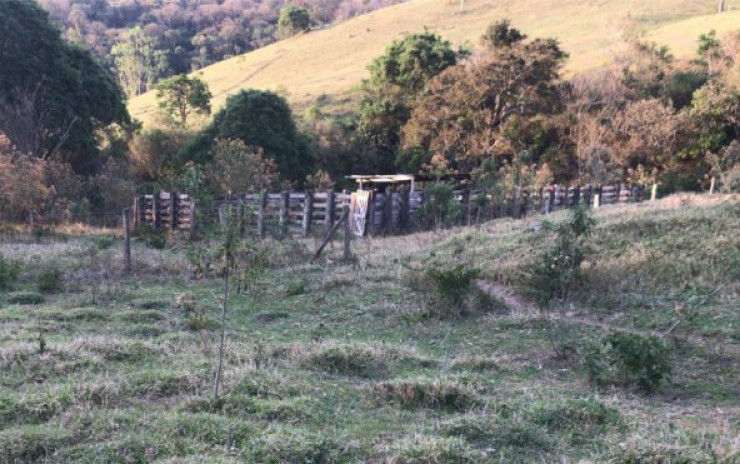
333, 60
193, 33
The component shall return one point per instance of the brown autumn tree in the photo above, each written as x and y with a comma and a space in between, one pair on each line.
458, 121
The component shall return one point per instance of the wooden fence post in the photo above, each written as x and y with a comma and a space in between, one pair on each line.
347, 234
126, 242
404, 215
222, 212
654, 191
307, 213
370, 221
711, 187
156, 214
173, 210
284, 212
331, 210
261, 207
388, 211
191, 219
137, 215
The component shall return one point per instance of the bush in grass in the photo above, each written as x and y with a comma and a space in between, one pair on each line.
50, 279
448, 289
629, 359
9, 271
154, 238
558, 268
441, 209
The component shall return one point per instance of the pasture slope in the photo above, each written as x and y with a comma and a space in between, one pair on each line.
333, 60
341, 363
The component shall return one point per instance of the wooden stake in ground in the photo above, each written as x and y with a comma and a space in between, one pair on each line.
711, 186
347, 233
228, 248
126, 242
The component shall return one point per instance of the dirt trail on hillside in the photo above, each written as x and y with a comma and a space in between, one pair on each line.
527, 308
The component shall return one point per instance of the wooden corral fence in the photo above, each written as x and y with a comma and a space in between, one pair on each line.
371, 212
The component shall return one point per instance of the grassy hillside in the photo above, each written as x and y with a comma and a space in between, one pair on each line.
339, 363
333, 60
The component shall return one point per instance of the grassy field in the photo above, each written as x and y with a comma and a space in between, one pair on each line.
335, 363
331, 61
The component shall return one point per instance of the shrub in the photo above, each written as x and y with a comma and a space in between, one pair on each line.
441, 209
448, 289
558, 268
9, 271
453, 284
25, 298
154, 238
50, 279
631, 358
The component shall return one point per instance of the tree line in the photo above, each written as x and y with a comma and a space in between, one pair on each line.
501, 112
144, 40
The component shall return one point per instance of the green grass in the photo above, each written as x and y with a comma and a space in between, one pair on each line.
346, 371
324, 64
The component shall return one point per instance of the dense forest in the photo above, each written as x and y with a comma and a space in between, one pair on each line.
190, 33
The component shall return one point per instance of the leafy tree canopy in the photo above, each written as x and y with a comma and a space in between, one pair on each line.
263, 119
181, 95
138, 61
54, 95
501, 34
293, 20
396, 78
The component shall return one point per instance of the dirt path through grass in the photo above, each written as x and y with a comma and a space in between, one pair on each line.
525, 307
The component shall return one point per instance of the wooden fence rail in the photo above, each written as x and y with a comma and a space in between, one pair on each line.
371, 213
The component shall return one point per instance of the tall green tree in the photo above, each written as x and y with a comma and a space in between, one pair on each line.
500, 34
396, 78
262, 120
54, 96
293, 20
138, 61
181, 95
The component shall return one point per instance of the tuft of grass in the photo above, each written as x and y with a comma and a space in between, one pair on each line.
298, 445
475, 364
446, 395
515, 439
33, 443
433, 450
26, 298
580, 417
348, 359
